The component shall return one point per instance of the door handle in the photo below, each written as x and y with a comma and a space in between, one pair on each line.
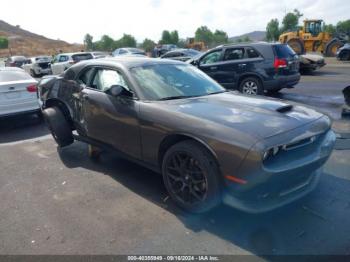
242, 65
213, 67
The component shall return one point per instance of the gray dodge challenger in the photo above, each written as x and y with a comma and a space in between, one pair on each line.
211, 145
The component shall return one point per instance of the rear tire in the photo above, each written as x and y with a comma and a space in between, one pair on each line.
191, 177
297, 45
251, 86
59, 126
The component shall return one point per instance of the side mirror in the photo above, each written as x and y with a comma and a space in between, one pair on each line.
118, 90
195, 62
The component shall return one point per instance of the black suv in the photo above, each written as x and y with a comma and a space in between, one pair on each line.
251, 68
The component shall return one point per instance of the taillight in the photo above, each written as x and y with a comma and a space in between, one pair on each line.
12, 64
280, 63
72, 62
31, 88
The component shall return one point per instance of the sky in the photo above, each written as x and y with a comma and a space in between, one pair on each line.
70, 20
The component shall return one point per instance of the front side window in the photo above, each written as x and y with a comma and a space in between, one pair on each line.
85, 77
233, 54
167, 81
122, 51
104, 79
211, 58
63, 58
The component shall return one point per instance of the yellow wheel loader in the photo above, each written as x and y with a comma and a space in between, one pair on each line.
313, 38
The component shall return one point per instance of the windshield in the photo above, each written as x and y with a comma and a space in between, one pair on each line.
167, 81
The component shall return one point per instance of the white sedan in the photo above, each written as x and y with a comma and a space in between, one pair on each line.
18, 92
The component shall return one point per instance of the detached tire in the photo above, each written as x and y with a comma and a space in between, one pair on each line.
251, 86
59, 126
191, 177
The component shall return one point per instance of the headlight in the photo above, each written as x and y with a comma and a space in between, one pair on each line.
271, 152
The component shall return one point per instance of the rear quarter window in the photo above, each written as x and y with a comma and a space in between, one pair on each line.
284, 51
81, 57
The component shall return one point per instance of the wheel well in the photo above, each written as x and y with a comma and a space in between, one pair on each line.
241, 78
171, 140
61, 106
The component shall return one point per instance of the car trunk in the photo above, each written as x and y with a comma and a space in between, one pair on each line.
18, 96
286, 60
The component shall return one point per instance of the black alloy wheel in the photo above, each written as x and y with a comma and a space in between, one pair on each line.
191, 177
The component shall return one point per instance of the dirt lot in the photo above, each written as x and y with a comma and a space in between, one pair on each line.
59, 202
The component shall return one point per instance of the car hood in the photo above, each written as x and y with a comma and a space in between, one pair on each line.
257, 116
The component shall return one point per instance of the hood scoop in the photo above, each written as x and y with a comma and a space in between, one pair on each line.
284, 109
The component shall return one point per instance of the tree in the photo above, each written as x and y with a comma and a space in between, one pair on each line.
272, 30
203, 34
89, 45
126, 41
330, 29
344, 27
182, 43
4, 42
166, 37
291, 20
174, 37
220, 37
148, 45
106, 43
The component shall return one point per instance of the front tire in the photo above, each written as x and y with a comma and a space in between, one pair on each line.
59, 126
251, 86
332, 47
191, 177
32, 73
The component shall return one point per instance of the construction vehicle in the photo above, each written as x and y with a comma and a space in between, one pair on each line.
191, 43
313, 38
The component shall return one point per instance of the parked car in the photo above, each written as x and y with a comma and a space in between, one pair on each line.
311, 62
181, 54
38, 66
129, 51
99, 54
65, 60
253, 153
18, 92
163, 49
343, 53
15, 61
251, 68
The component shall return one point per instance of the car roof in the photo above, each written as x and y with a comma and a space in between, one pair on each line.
76, 53
122, 62
248, 44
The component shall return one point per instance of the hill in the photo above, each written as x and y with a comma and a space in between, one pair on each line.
255, 36
23, 42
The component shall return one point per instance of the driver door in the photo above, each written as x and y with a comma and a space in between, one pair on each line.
210, 64
112, 120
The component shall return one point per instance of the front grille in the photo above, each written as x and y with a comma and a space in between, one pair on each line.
44, 65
